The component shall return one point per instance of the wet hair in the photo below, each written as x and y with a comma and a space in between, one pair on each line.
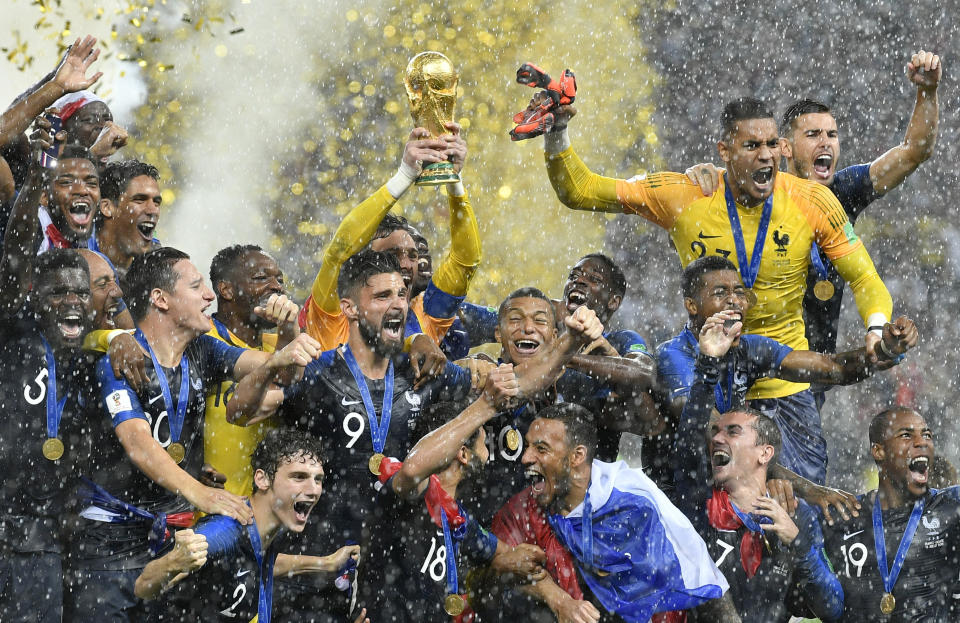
618, 281
153, 269
361, 266
438, 414
284, 445
225, 262
581, 427
117, 175
768, 433
741, 109
881, 421
798, 108
75, 152
53, 261
695, 271
524, 293
390, 224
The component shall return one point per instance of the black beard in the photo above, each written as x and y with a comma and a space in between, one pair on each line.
61, 223
373, 338
561, 488
473, 467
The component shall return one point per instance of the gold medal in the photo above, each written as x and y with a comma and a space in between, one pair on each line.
751, 297
887, 603
823, 290
177, 452
374, 463
454, 605
513, 439
52, 449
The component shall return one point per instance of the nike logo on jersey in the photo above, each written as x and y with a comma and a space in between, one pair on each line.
703, 236
154, 399
347, 403
851, 535
242, 573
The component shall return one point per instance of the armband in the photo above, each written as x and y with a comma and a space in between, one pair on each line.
456, 189
114, 333
402, 180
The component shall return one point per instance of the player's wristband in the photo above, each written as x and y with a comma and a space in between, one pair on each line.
875, 323
896, 359
556, 142
456, 189
403, 179
115, 333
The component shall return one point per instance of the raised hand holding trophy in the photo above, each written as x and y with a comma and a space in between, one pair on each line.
431, 83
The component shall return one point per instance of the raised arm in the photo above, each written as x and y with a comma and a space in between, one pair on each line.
189, 553
538, 373
69, 77
22, 236
577, 187
441, 446
804, 366
255, 396
454, 273
889, 170
690, 470
358, 226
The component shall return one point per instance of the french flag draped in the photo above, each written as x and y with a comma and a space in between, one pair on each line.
646, 556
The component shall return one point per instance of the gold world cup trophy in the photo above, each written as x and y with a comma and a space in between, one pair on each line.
431, 83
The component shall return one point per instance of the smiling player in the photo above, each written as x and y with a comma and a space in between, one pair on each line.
129, 212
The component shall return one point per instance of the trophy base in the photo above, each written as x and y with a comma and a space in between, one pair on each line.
437, 173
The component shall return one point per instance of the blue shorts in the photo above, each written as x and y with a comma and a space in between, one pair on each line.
31, 587
804, 450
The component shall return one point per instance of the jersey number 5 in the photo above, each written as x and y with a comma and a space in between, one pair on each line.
41, 382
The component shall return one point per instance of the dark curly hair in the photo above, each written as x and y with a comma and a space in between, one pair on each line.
284, 445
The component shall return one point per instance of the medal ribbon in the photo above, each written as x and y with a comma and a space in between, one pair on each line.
54, 407
889, 576
378, 430
183, 398
452, 585
265, 602
93, 494
587, 520
817, 262
724, 402
749, 269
